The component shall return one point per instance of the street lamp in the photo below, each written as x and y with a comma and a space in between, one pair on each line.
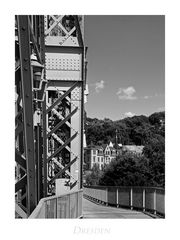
39, 83
37, 71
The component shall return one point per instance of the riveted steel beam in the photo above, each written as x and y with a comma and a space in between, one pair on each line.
21, 183
27, 101
62, 122
34, 41
19, 129
61, 147
62, 171
20, 211
79, 35
20, 160
41, 36
44, 148
73, 185
53, 25
62, 97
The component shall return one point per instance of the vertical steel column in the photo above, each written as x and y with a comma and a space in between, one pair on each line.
82, 124
44, 148
41, 36
26, 78
39, 162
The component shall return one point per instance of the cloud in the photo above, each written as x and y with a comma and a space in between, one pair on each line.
99, 86
153, 96
146, 97
126, 93
129, 114
161, 109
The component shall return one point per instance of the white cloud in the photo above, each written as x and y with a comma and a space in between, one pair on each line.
146, 97
129, 114
160, 109
99, 86
153, 96
126, 93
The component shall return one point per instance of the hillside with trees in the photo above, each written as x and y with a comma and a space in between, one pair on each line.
137, 130
128, 169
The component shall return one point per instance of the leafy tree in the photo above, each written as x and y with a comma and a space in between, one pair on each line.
136, 130
131, 170
128, 169
93, 177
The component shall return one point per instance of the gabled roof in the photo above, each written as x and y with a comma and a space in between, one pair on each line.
110, 144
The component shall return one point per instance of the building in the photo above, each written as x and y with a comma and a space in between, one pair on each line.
136, 150
103, 155
99, 155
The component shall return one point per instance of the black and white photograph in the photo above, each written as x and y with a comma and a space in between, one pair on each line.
90, 116
89, 120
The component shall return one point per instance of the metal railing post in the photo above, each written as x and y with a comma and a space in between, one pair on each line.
56, 206
117, 198
106, 196
69, 208
154, 201
77, 204
131, 199
144, 200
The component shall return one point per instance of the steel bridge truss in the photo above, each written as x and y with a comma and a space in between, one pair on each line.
63, 108
50, 79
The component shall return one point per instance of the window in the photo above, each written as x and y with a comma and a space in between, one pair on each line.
98, 159
94, 158
100, 151
102, 159
94, 151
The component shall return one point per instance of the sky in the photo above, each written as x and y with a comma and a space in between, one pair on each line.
126, 65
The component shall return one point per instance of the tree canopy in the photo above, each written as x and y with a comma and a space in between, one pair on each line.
137, 130
129, 169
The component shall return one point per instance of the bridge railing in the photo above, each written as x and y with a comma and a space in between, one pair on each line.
64, 206
149, 199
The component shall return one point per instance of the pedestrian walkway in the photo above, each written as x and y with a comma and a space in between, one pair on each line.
95, 210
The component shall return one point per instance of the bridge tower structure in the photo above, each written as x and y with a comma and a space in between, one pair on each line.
50, 80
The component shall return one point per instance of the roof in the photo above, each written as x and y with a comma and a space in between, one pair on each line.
95, 147
110, 144
133, 148
112, 148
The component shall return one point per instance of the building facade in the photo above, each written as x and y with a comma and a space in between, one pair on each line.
103, 155
99, 155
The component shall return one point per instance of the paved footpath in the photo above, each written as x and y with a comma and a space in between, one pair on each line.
95, 210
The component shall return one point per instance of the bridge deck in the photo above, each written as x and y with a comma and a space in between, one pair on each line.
95, 210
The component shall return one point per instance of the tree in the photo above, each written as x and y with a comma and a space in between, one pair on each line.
126, 170
93, 177
131, 131
149, 131
155, 152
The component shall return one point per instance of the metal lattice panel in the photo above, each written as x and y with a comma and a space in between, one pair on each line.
76, 94
63, 30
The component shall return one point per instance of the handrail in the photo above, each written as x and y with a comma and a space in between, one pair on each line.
146, 199
43, 209
99, 186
